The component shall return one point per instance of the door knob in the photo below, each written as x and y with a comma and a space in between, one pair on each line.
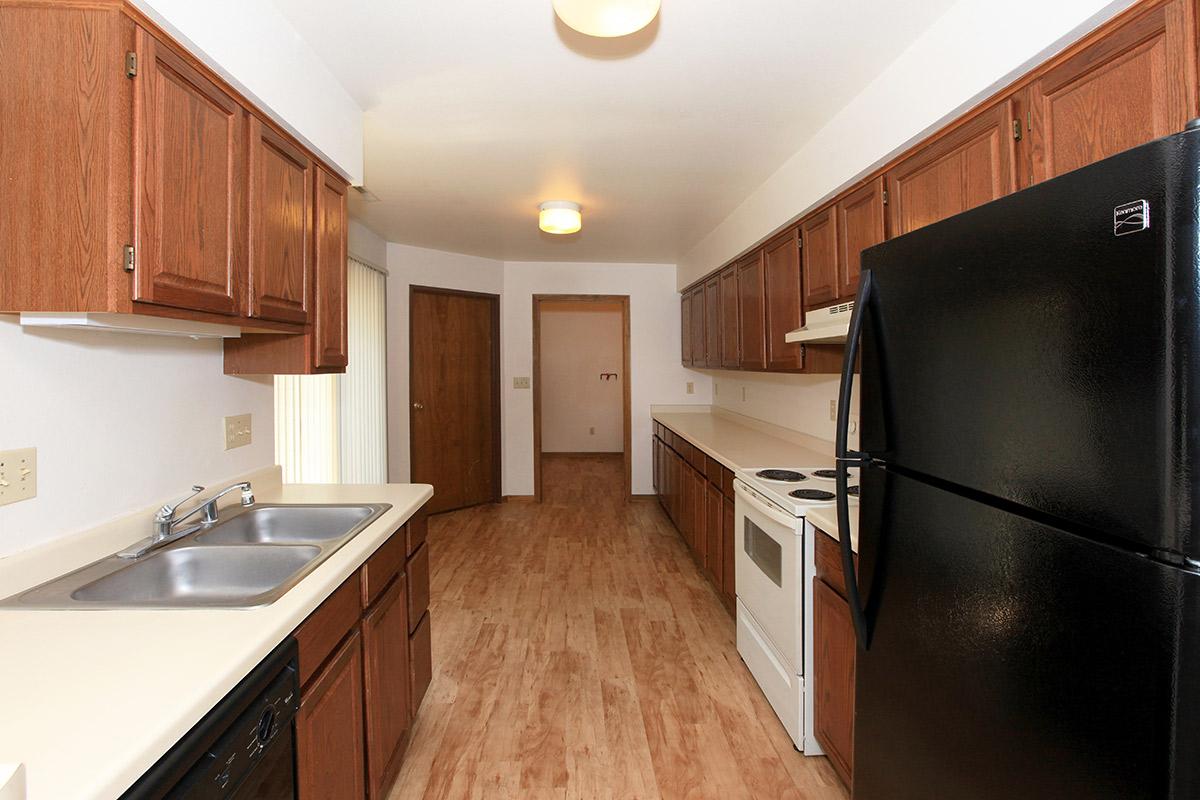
418, 406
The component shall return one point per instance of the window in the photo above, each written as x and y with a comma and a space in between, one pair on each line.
333, 428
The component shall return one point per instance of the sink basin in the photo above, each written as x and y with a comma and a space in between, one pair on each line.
287, 525
201, 576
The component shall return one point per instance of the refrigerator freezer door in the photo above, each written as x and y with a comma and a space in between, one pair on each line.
1012, 659
1035, 350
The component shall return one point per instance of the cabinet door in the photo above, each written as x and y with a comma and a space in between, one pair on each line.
833, 675
329, 330
714, 506
685, 328
752, 315
818, 234
781, 288
728, 552
329, 730
386, 684
699, 351
859, 226
968, 166
687, 505
699, 515
712, 322
420, 657
418, 586
189, 185
1133, 85
280, 198
730, 348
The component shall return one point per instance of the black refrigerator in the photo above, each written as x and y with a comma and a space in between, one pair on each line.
1028, 592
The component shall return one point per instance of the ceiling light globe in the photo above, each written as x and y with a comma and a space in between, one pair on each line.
560, 216
606, 18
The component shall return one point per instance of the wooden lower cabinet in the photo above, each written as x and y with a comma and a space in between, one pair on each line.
834, 660
729, 545
714, 503
386, 685
329, 729
363, 671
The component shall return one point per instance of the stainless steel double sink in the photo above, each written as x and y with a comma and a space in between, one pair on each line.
244, 561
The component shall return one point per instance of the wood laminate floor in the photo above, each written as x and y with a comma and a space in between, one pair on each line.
579, 653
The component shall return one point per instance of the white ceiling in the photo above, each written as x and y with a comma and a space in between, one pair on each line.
477, 110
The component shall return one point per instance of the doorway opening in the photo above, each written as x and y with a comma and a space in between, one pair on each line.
581, 389
454, 396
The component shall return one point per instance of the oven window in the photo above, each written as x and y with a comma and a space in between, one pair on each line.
763, 551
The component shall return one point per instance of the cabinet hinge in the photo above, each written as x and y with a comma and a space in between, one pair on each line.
130, 64
885, 197
128, 262
1017, 129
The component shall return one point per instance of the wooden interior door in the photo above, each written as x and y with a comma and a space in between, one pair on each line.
819, 256
752, 315
189, 197
454, 393
280, 198
1135, 84
860, 221
330, 342
968, 166
781, 288
730, 333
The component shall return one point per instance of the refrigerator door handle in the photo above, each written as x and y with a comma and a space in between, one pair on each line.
847, 458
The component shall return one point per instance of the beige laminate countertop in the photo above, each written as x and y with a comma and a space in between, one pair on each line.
90, 699
743, 443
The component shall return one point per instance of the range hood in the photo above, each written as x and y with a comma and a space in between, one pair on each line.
824, 325
130, 323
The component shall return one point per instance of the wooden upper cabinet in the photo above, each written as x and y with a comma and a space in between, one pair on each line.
730, 349
280, 198
782, 298
712, 322
696, 318
970, 165
752, 313
685, 328
818, 235
860, 224
189, 185
1134, 84
329, 327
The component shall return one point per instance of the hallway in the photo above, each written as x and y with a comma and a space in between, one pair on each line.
579, 653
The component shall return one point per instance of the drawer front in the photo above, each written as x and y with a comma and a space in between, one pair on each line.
320, 634
712, 470
417, 530
829, 562
727, 482
418, 586
420, 664
385, 564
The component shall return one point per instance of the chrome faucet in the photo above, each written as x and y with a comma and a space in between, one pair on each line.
166, 523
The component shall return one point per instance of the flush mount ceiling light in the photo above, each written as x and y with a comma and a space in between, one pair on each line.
560, 216
606, 18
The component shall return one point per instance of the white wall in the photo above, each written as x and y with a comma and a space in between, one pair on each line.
420, 267
799, 402
120, 422
254, 47
581, 413
974, 49
656, 375
366, 245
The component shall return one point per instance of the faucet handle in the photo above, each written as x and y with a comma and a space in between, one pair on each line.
168, 509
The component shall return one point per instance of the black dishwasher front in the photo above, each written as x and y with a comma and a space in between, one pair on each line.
244, 749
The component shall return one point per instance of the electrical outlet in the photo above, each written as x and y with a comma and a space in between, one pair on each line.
691, 387
716, 388
18, 475
237, 431
833, 410
591, 431
520, 383
743, 394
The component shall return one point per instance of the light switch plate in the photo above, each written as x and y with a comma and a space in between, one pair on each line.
237, 431
833, 410
18, 475
691, 387
520, 383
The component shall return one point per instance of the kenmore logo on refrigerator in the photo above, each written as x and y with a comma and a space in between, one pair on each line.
1131, 217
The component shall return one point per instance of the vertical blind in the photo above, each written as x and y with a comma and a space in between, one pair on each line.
333, 428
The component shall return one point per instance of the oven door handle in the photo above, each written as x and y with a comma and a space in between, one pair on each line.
761, 506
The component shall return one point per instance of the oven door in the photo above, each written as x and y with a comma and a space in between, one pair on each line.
769, 572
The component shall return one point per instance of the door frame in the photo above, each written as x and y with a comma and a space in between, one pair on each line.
494, 303
627, 438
